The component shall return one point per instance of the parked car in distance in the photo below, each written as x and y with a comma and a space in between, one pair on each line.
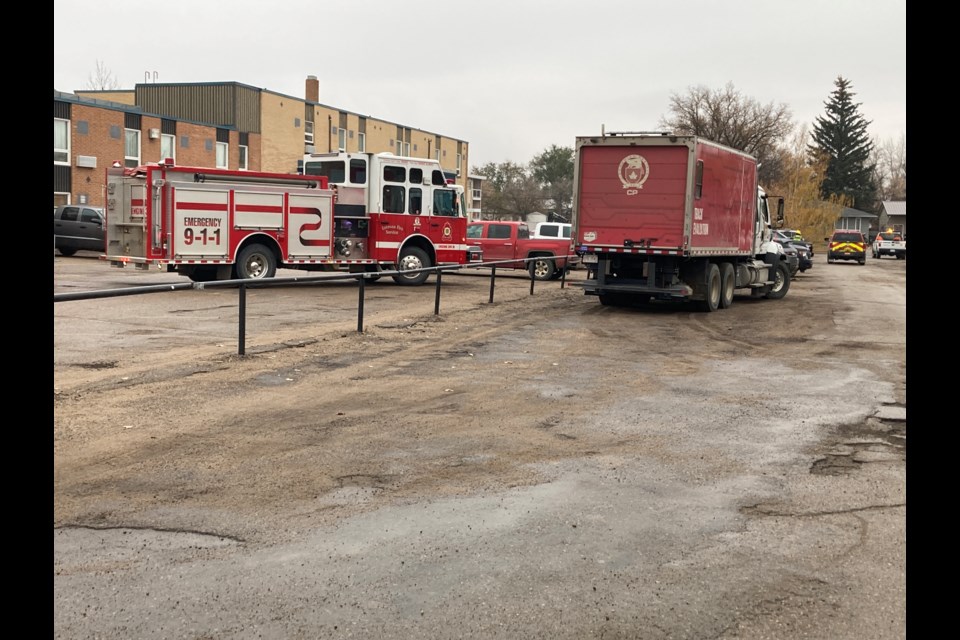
804, 253
798, 238
846, 244
552, 230
78, 227
789, 256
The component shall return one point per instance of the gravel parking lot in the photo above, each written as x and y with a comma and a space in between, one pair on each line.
536, 467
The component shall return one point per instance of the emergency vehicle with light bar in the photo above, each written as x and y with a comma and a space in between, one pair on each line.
846, 244
889, 243
216, 224
668, 217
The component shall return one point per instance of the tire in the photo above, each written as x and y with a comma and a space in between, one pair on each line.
728, 279
413, 258
781, 283
255, 262
66, 251
713, 287
862, 261
542, 268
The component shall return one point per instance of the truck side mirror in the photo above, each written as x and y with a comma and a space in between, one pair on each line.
780, 212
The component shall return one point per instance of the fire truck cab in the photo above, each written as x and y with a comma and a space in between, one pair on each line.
394, 210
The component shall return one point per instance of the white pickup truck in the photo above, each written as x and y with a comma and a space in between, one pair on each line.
889, 243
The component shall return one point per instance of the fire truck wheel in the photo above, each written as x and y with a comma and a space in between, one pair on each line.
413, 258
727, 280
254, 262
711, 300
66, 251
781, 283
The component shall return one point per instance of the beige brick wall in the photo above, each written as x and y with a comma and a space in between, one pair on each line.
281, 132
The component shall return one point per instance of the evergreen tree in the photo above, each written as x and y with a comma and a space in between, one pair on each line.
841, 138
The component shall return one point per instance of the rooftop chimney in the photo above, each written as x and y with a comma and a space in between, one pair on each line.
313, 89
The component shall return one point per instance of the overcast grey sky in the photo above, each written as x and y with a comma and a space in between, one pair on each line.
511, 77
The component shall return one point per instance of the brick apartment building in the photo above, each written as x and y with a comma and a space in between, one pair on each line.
227, 125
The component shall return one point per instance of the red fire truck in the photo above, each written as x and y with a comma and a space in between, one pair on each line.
214, 224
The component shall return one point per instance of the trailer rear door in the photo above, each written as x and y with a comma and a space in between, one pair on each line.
632, 196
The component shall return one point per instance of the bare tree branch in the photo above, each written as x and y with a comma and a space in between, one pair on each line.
102, 79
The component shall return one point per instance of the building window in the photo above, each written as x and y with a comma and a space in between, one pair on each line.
222, 155
168, 147
436, 155
399, 148
131, 148
61, 141
342, 139
406, 148
476, 194
361, 142
243, 157
459, 163
308, 132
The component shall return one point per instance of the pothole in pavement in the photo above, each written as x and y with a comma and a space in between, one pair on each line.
881, 438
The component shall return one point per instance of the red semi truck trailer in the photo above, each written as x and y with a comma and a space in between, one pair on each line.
670, 217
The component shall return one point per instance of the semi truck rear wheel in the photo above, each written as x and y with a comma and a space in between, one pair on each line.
727, 281
711, 301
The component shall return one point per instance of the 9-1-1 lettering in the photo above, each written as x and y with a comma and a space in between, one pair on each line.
204, 236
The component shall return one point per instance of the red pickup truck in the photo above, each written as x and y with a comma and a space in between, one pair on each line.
508, 244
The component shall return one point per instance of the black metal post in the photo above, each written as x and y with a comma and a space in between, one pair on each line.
241, 340
563, 274
493, 279
436, 303
532, 279
360, 305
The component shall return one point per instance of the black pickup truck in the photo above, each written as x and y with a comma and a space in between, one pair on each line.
78, 227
